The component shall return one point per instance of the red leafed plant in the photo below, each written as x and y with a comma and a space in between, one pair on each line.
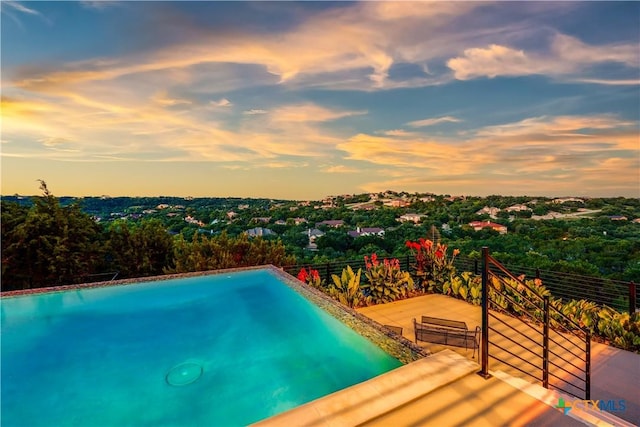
385, 281
311, 277
433, 265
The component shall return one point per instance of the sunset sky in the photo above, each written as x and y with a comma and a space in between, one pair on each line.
299, 100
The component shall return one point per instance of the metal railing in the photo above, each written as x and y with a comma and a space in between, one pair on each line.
623, 296
558, 357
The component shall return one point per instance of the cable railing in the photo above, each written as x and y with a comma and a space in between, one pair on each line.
522, 331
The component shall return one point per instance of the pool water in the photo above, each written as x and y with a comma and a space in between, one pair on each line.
214, 350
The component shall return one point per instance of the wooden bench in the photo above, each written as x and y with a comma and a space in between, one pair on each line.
395, 329
447, 332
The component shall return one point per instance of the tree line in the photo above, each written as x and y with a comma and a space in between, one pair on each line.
46, 244
49, 241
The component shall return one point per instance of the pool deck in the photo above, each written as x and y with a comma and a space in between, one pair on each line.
445, 390
615, 373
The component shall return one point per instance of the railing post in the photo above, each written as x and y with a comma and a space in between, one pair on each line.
545, 343
407, 268
632, 298
484, 350
587, 374
475, 267
328, 270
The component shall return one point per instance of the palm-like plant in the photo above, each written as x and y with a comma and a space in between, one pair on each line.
346, 288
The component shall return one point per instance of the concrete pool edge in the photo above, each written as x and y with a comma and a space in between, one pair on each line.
370, 399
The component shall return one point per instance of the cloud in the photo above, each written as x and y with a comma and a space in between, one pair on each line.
397, 132
337, 41
53, 141
433, 121
224, 102
99, 4
567, 57
13, 8
340, 169
166, 101
310, 113
254, 111
518, 156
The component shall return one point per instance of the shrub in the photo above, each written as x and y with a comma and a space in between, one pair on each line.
433, 266
346, 288
312, 277
386, 282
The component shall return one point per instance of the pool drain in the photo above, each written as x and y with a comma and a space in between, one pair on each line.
184, 373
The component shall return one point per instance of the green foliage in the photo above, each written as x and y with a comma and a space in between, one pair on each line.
48, 245
346, 288
385, 281
139, 250
466, 286
218, 252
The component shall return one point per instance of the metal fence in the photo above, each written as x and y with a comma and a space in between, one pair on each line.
621, 295
557, 359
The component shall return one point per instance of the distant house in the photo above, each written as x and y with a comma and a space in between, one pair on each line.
479, 225
548, 215
491, 211
397, 203
231, 214
298, 221
518, 208
637, 221
162, 206
618, 218
192, 220
364, 207
313, 233
263, 219
281, 222
366, 231
567, 199
415, 218
335, 223
259, 231
243, 207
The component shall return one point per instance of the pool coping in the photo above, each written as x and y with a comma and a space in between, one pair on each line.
399, 347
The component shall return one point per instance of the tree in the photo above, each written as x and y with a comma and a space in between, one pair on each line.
140, 250
51, 246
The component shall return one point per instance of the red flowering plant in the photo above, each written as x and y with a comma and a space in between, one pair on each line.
433, 266
385, 281
311, 277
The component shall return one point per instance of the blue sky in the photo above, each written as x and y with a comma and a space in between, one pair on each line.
300, 100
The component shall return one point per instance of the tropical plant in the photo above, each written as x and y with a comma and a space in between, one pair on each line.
466, 286
346, 288
433, 266
311, 277
385, 281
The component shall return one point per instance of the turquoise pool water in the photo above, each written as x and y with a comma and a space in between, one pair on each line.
214, 350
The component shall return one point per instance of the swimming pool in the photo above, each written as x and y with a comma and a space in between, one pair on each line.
215, 349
